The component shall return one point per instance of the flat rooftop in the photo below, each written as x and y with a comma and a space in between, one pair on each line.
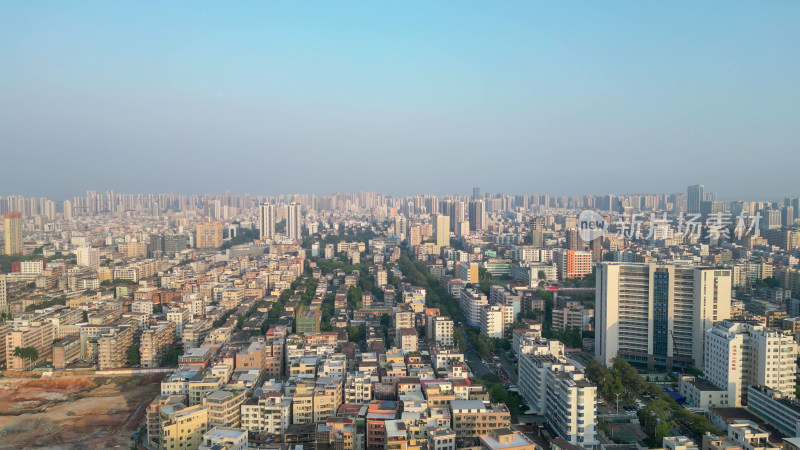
517, 439
705, 385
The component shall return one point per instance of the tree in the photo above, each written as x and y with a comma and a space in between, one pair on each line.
133, 355
653, 419
171, 358
355, 334
28, 353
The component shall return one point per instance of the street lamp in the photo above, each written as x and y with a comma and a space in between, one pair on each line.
618, 394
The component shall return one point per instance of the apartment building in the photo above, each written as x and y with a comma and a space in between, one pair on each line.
572, 263
358, 387
224, 438
655, 315
270, 413
327, 397
200, 387
155, 342
476, 418
153, 416
441, 438
493, 321
208, 235
252, 357
29, 334
112, 347
3, 294
180, 317
468, 272
570, 405
572, 316
66, 351
195, 332
472, 302
506, 439
439, 330
181, 427
378, 413
225, 407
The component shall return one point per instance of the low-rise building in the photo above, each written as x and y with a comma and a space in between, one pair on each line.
506, 439
224, 438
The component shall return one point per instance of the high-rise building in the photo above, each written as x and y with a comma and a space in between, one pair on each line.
13, 233
457, 214
739, 354
476, 193
208, 235
3, 295
472, 302
293, 224
266, 221
574, 241
572, 263
492, 321
468, 272
441, 230
655, 315
597, 249
537, 232
400, 226
695, 196
477, 216
88, 257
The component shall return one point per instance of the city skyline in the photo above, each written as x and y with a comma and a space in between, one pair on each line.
622, 97
465, 194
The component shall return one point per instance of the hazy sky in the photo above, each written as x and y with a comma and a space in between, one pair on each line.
552, 97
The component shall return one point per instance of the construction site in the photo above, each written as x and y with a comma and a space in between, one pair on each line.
74, 412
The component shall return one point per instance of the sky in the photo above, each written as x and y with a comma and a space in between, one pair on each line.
565, 98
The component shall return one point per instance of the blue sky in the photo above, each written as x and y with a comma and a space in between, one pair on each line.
401, 97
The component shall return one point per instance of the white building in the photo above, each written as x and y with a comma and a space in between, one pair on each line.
358, 387
740, 354
656, 315
493, 321
442, 328
88, 257
224, 438
472, 302
571, 405
271, 414
780, 411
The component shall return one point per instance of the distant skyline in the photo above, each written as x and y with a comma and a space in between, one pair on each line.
465, 193
402, 98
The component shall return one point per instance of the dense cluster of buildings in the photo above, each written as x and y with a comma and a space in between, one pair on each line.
288, 320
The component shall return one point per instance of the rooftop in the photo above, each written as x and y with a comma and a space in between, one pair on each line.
509, 439
705, 385
221, 433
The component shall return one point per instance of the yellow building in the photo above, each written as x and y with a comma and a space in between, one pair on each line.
199, 388
475, 418
182, 427
38, 335
225, 408
12, 222
208, 235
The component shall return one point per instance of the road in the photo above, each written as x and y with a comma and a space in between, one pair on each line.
479, 367
509, 368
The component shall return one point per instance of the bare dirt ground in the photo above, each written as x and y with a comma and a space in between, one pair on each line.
81, 412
